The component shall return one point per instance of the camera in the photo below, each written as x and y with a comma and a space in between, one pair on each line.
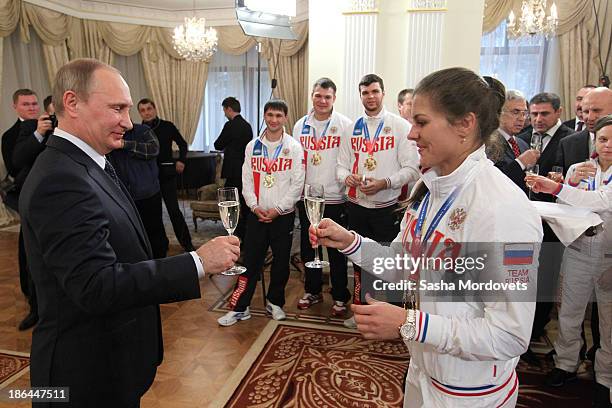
53, 120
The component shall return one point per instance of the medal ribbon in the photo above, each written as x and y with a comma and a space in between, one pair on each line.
366, 135
270, 163
314, 132
418, 231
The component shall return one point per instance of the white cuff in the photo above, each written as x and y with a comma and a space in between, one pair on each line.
520, 164
198, 263
38, 136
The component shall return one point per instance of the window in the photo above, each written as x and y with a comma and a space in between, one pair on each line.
230, 75
519, 63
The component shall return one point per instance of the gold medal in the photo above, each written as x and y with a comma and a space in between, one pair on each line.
370, 163
269, 181
316, 159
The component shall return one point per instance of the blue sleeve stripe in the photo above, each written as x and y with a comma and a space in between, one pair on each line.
425, 328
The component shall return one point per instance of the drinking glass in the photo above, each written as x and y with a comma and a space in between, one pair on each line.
314, 201
536, 142
533, 171
556, 174
229, 209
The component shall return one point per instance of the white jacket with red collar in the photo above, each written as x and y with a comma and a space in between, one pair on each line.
469, 349
323, 173
397, 158
288, 173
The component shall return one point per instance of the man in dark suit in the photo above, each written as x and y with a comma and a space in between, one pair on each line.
25, 103
579, 146
577, 123
167, 133
98, 289
516, 156
33, 135
234, 137
545, 111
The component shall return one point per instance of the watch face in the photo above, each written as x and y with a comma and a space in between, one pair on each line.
408, 331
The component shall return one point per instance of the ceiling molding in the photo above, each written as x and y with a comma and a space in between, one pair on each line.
216, 12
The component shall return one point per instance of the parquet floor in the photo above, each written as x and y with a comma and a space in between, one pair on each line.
199, 355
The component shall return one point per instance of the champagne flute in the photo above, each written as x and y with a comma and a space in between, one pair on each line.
536, 142
533, 171
229, 209
556, 174
314, 201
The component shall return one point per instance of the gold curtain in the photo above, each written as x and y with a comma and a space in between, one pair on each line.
571, 13
289, 65
578, 43
233, 41
580, 50
176, 86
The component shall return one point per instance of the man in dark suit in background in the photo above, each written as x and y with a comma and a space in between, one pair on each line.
31, 142
579, 146
577, 123
234, 137
545, 111
25, 103
98, 289
516, 156
167, 133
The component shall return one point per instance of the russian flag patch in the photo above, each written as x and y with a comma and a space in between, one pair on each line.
518, 254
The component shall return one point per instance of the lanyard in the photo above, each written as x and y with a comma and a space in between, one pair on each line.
366, 135
437, 218
306, 129
269, 163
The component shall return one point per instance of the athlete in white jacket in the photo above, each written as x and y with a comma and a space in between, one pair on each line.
272, 181
463, 353
376, 159
320, 133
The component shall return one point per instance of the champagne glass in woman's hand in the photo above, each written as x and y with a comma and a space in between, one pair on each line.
229, 209
314, 201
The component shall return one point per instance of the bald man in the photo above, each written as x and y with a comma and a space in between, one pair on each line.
579, 146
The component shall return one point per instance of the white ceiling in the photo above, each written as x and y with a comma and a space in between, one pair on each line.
164, 13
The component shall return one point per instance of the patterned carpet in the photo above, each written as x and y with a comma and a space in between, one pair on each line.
12, 366
303, 365
300, 365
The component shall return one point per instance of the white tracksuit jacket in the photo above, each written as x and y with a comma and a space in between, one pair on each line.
397, 158
288, 172
584, 262
465, 353
325, 172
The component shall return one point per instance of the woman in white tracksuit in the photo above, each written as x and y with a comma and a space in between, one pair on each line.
463, 354
587, 264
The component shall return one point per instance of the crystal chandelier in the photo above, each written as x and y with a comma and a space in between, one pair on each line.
193, 41
533, 20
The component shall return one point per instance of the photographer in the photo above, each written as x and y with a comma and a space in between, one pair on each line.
30, 143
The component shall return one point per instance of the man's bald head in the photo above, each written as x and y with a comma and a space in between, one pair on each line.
596, 103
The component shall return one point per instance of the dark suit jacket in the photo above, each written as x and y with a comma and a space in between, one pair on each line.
573, 149
26, 150
98, 289
9, 139
548, 159
508, 165
234, 137
571, 123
